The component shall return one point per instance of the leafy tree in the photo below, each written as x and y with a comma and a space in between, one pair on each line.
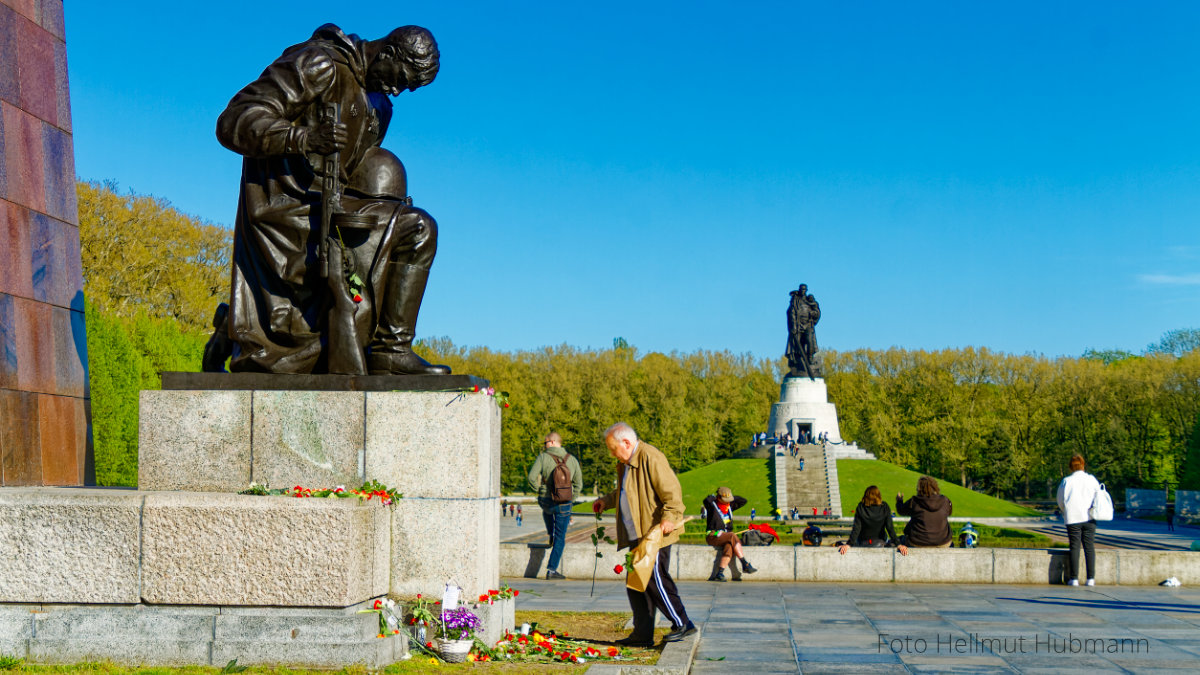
140, 255
1190, 478
1176, 342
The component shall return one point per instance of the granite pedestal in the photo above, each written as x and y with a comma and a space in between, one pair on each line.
440, 449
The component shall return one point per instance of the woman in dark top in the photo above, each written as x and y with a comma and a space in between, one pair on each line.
929, 511
872, 520
718, 509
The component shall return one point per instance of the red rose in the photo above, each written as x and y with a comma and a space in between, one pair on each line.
418, 596
505, 405
516, 593
429, 645
618, 569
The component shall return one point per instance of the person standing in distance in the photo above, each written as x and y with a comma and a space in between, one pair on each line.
558, 480
1076, 493
647, 496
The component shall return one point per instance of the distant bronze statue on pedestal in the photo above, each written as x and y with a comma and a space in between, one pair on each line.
330, 257
802, 317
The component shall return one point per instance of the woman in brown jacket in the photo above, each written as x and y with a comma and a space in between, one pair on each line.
929, 512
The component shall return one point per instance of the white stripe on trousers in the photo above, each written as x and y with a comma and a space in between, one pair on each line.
662, 593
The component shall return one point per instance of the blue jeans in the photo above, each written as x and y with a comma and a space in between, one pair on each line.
556, 517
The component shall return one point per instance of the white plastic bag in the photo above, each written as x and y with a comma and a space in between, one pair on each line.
1102, 505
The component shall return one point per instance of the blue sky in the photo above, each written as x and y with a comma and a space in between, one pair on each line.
1021, 176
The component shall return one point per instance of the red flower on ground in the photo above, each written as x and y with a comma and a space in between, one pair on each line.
613, 651
618, 569
378, 604
476, 388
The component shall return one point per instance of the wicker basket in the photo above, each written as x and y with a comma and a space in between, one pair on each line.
454, 651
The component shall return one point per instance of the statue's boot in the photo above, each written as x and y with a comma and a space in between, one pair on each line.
391, 350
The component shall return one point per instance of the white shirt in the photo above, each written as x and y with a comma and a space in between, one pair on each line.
1075, 495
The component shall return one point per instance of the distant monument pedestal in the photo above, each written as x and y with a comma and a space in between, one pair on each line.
804, 406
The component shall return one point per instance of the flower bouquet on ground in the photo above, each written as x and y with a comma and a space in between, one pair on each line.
537, 647
457, 634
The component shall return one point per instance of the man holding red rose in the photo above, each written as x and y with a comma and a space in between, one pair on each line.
648, 495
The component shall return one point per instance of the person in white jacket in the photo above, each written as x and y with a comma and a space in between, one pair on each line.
1075, 495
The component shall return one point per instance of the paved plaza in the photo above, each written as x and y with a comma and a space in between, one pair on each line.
764, 627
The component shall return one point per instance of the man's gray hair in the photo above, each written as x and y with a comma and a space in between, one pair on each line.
621, 431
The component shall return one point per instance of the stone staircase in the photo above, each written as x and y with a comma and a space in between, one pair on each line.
816, 485
848, 451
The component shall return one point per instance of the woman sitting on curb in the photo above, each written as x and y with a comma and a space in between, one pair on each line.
872, 519
929, 511
719, 510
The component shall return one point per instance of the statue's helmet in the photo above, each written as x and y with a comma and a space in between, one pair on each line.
381, 174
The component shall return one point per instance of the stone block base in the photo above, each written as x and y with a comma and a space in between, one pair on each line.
922, 565
125, 547
194, 635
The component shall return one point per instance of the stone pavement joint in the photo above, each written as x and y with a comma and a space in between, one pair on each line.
905, 628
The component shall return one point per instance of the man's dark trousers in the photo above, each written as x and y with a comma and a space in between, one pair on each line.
660, 595
557, 517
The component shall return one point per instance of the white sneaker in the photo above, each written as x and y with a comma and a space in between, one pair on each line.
1091, 582
1073, 582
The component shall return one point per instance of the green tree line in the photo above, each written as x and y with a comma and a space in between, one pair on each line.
1003, 424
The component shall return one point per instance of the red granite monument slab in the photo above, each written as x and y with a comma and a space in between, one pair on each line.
23, 158
27, 8
15, 275
59, 174
60, 460
51, 18
35, 346
35, 71
20, 439
8, 54
61, 87
47, 242
8, 342
70, 355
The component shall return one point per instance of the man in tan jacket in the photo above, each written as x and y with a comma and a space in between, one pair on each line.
647, 496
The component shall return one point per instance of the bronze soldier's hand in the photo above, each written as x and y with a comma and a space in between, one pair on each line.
327, 137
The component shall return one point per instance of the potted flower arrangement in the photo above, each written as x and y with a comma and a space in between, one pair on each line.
457, 634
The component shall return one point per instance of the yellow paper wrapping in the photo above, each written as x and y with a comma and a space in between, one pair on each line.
645, 554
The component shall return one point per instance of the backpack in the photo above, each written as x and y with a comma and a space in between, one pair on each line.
1102, 505
756, 538
559, 489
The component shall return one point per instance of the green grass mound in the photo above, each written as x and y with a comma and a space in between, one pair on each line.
854, 475
749, 478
